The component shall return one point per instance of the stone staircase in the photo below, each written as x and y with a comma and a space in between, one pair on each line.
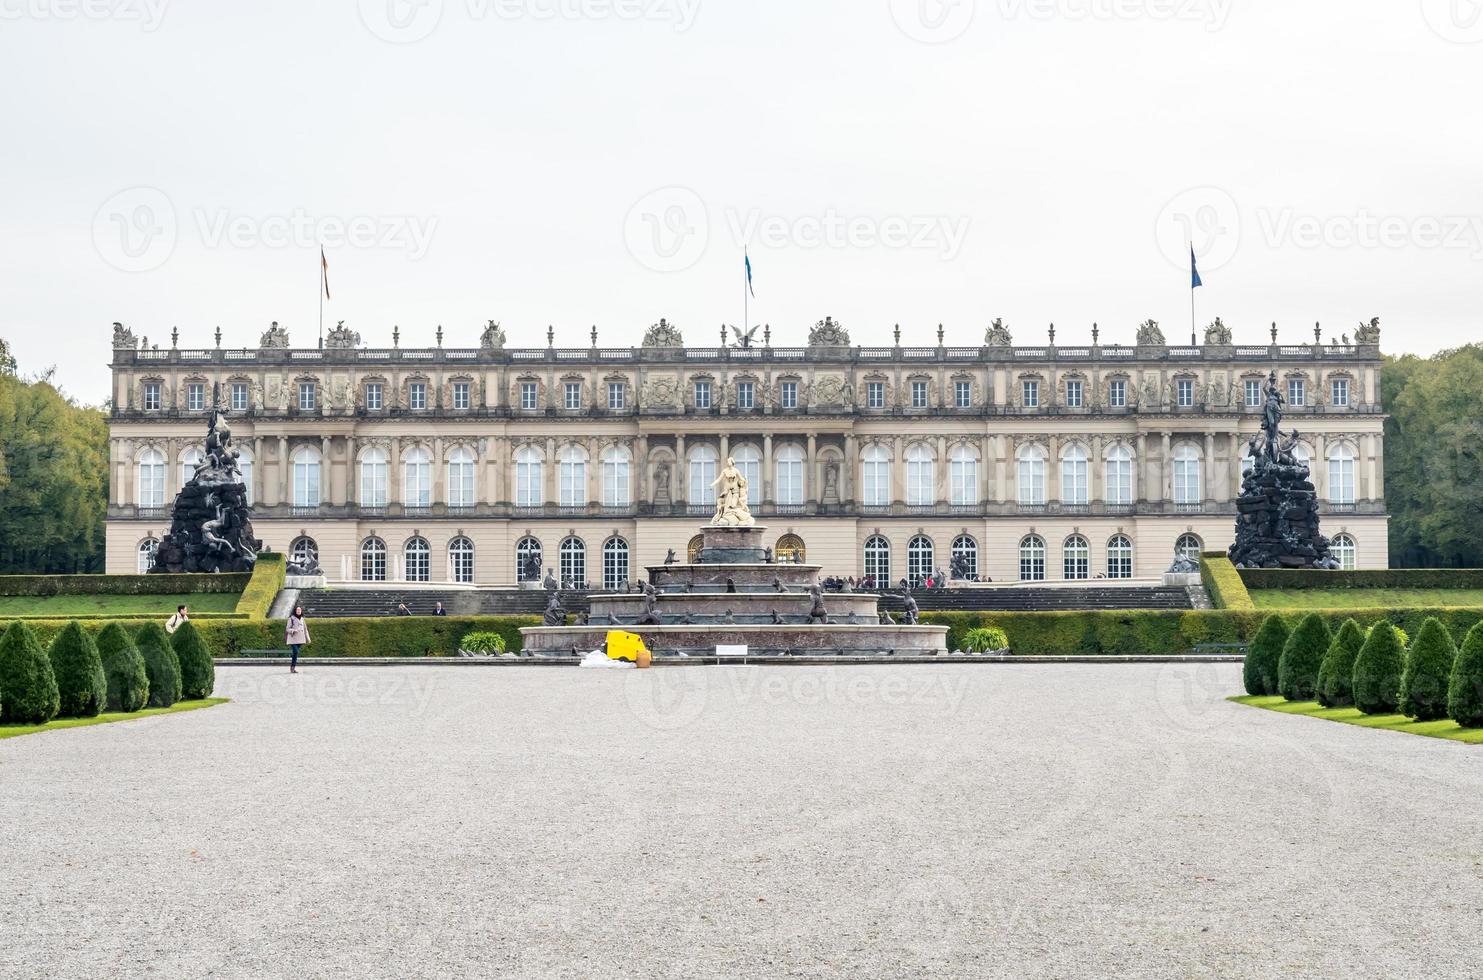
336, 603
1061, 599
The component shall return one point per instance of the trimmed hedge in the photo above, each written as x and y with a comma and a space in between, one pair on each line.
1465, 689
160, 663
1336, 676
1259, 673
128, 681
28, 690
41, 585
81, 685
1376, 578
197, 669
263, 586
1428, 670
1223, 581
1377, 672
1302, 656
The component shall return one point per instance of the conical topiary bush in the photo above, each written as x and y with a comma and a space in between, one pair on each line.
1260, 670
1302, 655
1336, 676
28, 691
160, 663
1377, 671
79, 672
197, 671
128, 681
1465, 691
1428, 670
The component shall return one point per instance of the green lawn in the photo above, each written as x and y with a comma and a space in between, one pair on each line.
1448, 729
11, 731
67, 606
1364, 598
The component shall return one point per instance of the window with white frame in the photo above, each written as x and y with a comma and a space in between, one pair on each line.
788, 394
963, 476
614, 564
920, 560
702, 475
528, 559
373, 478
461, 399
195, 396
965, 555
616, 477
461, 470
573, 563
1297, 392
788, 486
1031, 473
1030, 393
919, 394
374, 400
417, 396
240, 394
920, 475
1074, 398
151, 479
875, 394
1185, 392
530, 488
308, 392
572, 396
1117, 393
373, 560
878, 561
244, 465
572, 476
1032, 558
1341, 475
1120, 556
461, 559
149, 550
1076, 558
1339, 392
528, 402
417, 478
1119, 481
749, 462
305, 462
702, 394
1075, 478
1345, 552
617, 396
963, 394
151, 396
1189, 546
1253, 393
417, 560
303, 551
875, 476
189, 460
746, 395
1187, 486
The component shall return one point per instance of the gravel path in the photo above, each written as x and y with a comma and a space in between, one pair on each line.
1066, 821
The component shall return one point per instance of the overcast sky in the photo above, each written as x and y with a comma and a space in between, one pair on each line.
581, 162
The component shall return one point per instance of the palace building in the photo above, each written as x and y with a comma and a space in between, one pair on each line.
460, 464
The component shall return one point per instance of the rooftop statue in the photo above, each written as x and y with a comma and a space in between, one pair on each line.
998, 334
123, 338
1149, 334
744, 340
731, 498
1217, 334
828, 333
341, 338
492, 338
1368, 334
663, 334
275, 338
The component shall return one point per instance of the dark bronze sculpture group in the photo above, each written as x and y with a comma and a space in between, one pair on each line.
211, 524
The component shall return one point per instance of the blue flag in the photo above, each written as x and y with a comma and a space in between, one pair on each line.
1194, 269
748, 260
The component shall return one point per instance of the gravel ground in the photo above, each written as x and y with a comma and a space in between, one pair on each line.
1059, 821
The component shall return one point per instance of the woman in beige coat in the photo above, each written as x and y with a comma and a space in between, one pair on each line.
295, 636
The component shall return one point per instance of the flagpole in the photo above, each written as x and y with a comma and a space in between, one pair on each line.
321, 296
746, 295
1192, 296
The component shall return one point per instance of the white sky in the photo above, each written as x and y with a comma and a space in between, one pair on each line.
562, 162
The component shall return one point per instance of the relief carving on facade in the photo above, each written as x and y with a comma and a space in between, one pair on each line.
830, 391
662, 391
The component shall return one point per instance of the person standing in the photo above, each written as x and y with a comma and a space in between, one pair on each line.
173, 623
296, 636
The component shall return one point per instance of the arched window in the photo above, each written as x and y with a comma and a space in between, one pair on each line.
749, 462
920, 476
189, 460
693, 549
1188, 546
1032, 476
306, 479
149, 549
788, 489
920, 557
461, 559
461, 486
965, 556
572, 474
529, 477
1076, 558
1119, 480
1187, 487
303, 551
702, 475
614, 564
616, 477
417, 560
373, 478
1032, 558
1074, 476
1345, 552
875, 477
1341, 475
573, 564
963, 476
878, 561
790, 550
151, 478
1120, 556
244, 463
528, 560
417, 473
373, 560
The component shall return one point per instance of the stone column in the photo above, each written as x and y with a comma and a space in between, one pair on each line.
258, 465
394, 471
678, 492
811, 471
1166, 468
440, 472
1096, 472
1238, 452
1318, 467
767, 491
350, 494
1003, 465
283, 481
1053, 471
548, 473
1207, 467
941, 473
898, 471
640, 478
1140, 469
594, 475
849, 469
725, 450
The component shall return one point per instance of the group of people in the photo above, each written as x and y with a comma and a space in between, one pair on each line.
402, 610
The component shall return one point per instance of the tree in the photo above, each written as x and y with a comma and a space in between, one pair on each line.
1260, 670
1336, 676
1465, 689
79, 672
1377, 671
1428, 671
28, 691
197, 670
1302, 655
160, 663
128, 679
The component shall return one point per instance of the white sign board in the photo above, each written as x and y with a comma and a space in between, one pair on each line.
731, 651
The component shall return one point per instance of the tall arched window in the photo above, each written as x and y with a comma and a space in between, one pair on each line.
1120, 556
1345, 552
788, 489
1187, 486
373, 478
1032, 476
244, 464
1075, 479
790, 550
614, 564
189, 460
461, 486
417, 560
149, 549
572, 473
1341, 475
920, 475
529, 477
875, 476
878, 561
920, 558
417, 472
1119, 480
1076, 558
528, 559
1189, 546
702, 475
303, 551
616, 477
749, 462
963, 476
373, 560
1032, 558
965, 556
573, 564
461, 559
306, 478
151, 478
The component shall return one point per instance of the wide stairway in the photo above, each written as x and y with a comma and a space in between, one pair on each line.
334, 603
1065, 599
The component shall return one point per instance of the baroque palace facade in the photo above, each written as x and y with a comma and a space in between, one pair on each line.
461, 464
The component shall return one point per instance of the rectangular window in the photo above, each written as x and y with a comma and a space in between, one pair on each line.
152, 396
617, 396
461, 395
373, 396
1073, 394
615, 479
1253, 393
528, 396
239, 396
746, 395
572, 482
417, 396
789, 488
1031, 392
195, 397
1120, 479
963, 394
306, 396
702, 394
1074, 481
572, 396
1340, 392
875, 394
1117, 394
1186, 393
919, 394
528, 483
1297, 393
788, 394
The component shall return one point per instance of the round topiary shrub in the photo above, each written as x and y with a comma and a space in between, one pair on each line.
1465, 690
1377, 671
1428, 671
160, 663
79, 672
1336, 676
128, 681
197, 670
28, 691
1260, 670
1302, 655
